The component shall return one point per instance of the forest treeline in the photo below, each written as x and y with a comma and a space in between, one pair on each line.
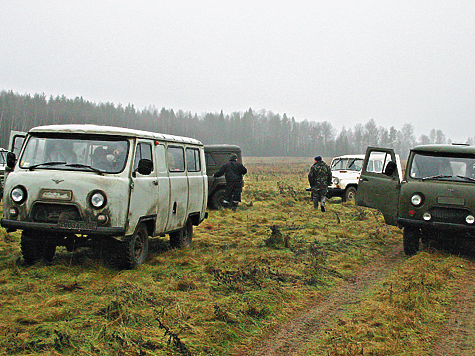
258, 133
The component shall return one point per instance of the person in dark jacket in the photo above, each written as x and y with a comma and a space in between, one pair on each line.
233, 172
319, 177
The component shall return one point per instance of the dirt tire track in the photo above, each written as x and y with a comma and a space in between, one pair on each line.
458, 337
291, 338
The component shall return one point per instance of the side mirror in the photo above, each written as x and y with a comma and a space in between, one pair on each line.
390, 168
11, 160
145, 167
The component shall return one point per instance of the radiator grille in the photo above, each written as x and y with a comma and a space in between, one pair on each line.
52, 213
455, 216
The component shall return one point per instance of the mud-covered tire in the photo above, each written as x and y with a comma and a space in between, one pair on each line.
350, 194
411, 238
217, 199
36, 247
135, 248
182, 237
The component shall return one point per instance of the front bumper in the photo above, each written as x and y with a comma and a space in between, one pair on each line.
74, 228
435, 225
335, 192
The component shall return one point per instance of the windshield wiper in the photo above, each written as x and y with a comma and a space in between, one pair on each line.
440, 176
79, 165
467, 178
55, 163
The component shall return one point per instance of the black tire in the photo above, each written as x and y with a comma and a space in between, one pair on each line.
218, 198
36, 247
183, 237
411, 239
350, 194
135, 248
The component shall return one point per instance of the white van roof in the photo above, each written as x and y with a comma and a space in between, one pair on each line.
113, 131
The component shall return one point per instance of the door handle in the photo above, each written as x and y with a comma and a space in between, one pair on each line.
155, 182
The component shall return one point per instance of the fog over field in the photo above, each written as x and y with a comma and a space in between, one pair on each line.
344, 62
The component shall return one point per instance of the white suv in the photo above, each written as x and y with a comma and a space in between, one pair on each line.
346, 171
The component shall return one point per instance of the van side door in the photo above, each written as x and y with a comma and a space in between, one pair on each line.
178, 187
163, 188
196, 180
143, 188
376, 187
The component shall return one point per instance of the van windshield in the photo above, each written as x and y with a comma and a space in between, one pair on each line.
98, 154
447, 167
352, 164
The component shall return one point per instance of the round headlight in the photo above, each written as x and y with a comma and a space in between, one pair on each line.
470, 219
336, 180
416, 200
427, 216
98, 200
18, 195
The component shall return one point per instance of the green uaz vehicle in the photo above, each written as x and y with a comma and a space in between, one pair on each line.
434, 199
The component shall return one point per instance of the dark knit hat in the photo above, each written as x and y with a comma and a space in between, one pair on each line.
318, 158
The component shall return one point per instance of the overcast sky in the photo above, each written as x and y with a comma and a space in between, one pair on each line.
339, 61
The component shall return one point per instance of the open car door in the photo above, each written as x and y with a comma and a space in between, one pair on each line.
379, 185
16, 141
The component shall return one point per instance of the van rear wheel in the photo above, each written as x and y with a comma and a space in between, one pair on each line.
135, 248
183, 237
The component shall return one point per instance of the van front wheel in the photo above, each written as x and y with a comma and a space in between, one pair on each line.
35, 247
183, 237
135, 247
411, 237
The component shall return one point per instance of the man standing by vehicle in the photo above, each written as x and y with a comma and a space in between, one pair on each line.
233, 172
319, 177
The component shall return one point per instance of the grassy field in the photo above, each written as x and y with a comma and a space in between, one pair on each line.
246, 272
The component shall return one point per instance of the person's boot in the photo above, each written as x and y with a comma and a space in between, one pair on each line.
235, 205
322, 207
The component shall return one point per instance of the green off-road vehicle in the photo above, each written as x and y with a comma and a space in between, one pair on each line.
434, 200
216, 156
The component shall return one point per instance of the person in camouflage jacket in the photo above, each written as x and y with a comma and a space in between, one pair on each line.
319, 177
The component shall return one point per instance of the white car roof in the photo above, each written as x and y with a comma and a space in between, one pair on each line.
350, 156
112, 130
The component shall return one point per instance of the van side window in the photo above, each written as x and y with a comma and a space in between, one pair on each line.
161, 159
193, 160
143, 150
209, 159
176, 159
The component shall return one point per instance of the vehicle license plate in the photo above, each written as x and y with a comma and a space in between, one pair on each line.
77, 225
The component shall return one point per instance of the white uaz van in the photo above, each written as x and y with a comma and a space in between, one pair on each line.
77, 185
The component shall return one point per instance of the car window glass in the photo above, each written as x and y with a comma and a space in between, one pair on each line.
377, 162
355, 164
339, 164
176, 159
193, 160
75, 153
161, 160
142, 151
209, 159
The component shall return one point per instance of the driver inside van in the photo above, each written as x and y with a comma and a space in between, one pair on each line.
61, 151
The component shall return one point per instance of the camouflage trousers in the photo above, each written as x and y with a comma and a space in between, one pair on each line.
319, 195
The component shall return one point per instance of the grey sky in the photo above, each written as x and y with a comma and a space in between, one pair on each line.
340, 61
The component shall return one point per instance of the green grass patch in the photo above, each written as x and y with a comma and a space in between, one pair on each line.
246, 272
